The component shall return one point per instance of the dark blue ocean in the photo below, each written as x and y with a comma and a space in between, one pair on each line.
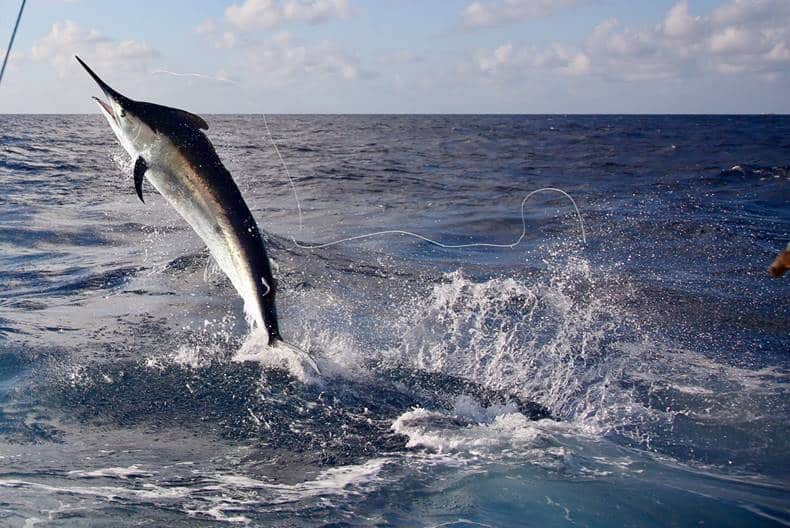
640, 378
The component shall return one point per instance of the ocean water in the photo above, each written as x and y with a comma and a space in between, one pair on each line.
638, 379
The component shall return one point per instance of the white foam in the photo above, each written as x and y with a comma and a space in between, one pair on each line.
105, 492
460, 523
470, 409
113, 472
505, 434
339, 481
691, 389
224, 497
240, 482
281, 355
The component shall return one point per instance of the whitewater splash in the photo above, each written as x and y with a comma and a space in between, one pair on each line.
548, 337
282, 355
564, 339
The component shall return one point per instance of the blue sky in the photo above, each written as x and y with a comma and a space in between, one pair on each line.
404, 56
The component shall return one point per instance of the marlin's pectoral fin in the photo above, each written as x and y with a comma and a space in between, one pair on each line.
140, 166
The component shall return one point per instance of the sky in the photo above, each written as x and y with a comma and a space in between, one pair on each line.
403, 56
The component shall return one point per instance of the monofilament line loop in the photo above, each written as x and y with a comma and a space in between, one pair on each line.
417, 235
402, 232
511, 245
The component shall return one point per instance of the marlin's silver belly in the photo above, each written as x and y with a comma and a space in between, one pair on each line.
185, 188
169, 148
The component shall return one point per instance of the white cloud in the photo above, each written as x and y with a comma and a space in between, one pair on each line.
226, 39
254, 14
220, 39
266, 14
280, 61
750, 12
67, 39
734, 40
740, 36
578, 65
510, 60
316, 11
608, 38
499, 12
679, 24
206, 27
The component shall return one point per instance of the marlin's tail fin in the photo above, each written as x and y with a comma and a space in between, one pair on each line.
299, 362
279, 354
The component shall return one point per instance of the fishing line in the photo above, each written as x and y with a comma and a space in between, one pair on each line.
266, 124
11, 42
288, 172
510, 245
402, 232
197, 75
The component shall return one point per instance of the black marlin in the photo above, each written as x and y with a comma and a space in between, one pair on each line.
169, 148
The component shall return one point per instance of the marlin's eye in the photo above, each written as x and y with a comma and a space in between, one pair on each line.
123, 113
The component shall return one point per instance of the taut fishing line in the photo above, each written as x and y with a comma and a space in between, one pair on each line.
401, 232
287, 172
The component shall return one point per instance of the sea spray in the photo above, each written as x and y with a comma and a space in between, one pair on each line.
282, 355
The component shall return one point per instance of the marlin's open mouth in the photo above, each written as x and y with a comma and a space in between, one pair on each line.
111, 94
107, 108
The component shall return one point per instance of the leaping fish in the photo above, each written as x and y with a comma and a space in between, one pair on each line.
169, 148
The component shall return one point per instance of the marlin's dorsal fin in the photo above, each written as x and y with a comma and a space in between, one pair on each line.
193, 119
160, 117
140, 166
